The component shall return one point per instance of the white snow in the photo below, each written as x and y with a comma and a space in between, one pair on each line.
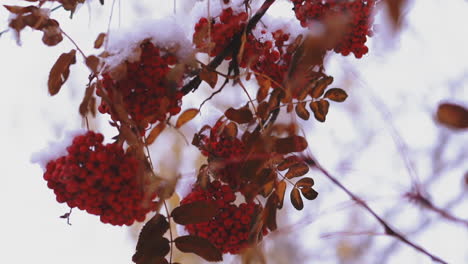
55, 149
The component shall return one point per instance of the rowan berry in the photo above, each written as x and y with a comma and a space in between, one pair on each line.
100, 179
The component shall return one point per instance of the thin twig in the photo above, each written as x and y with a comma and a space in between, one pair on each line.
74, 43
233, 45
171, 237
388, 230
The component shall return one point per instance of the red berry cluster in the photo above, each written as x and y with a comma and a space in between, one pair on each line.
223, 29
274, 58
146, 90
229, 154
265, 55
99, 179
230, 228
360, 23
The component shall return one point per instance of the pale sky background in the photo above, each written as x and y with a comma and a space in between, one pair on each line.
412, 72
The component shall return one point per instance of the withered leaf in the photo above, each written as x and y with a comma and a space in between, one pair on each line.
92, 62
296, 199
290, 144
320, 87
154, 228
60, 71
268, 188
19, 9
84, 105
200, 246
262, 110
297, 170
193, 213
151, 244
209, 76
336, 94
265, 84
309, 193
155, 132
241, 116
230, 130
301, 111
186, 116
305, 183
288, 162
452, 115
99, 40
320, 109
203, 178
280, 191
270, 212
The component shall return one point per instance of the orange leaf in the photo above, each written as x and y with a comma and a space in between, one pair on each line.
296, 199
186, 116
230, 130
241, 116
155, 133
336, 94
200, 246
265, 84
99, 40
453, 116
196, 212
60, 71
320, 109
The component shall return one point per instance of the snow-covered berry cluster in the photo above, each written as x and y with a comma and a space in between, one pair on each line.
229, 230
146, 89
100, 179
358, 27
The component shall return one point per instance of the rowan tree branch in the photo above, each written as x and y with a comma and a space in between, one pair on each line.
312, 162
233, 45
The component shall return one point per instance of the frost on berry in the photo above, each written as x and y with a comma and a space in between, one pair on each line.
359, 21
101, 179
229, 229
146, 89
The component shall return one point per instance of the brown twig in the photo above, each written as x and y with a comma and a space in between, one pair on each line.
233, 45
388, 230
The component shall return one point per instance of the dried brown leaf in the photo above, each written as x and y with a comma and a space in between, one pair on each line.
230, 130
196, 212
288, 162
309, 193
241, 116
452, 115
305, 183
265, 84
93, 63
270, 212
186, 116
209, 76
320, 87
60, 71
152, 246
290, 144
320, 109
296, 199
99, 40
84, 105
301, 111
155, 132
336, 94
262, 110
280, 191
297, 170
200, 246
